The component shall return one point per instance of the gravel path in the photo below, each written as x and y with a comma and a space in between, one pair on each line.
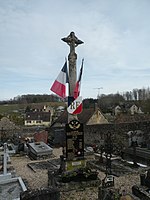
39, 179
36, 179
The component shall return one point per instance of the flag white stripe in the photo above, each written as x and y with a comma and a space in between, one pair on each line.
61, 77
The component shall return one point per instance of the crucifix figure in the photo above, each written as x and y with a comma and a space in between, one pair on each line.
73, 42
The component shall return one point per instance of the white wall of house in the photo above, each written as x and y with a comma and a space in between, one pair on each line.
117, 110
133, 109
36, 123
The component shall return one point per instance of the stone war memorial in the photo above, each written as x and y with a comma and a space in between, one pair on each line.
74, 129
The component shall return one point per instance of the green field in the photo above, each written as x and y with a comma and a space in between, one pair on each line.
9, 108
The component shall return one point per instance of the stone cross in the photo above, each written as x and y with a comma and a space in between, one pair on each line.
73, 42
5, 174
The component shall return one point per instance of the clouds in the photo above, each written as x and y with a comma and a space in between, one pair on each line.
116, 44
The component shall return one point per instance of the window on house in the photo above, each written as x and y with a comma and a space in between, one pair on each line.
38, 121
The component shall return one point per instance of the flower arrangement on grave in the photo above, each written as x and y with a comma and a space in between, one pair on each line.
81, 174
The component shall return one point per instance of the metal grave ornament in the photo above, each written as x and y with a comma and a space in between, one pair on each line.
74, 140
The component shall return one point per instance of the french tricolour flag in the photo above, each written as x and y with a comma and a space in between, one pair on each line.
59, 85
78, 83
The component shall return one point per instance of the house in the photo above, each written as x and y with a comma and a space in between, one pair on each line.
135, 110
39, 115
87, 117
41, 108
130, 109
117, 110
60, 108
38, 119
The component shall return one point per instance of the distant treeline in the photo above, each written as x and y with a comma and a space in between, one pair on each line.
32, 98
137, 94
140, 97
134, 95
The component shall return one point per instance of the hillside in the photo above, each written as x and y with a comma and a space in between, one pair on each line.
15, 108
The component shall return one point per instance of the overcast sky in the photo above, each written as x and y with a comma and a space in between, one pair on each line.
116, 36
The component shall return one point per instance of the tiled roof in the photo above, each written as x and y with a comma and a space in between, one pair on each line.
83, 117
86, 115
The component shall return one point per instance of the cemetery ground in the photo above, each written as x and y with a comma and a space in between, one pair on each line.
36, 177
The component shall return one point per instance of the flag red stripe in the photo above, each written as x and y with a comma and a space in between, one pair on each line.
78, 110
78, 83
59, 89
77, 90
59, 85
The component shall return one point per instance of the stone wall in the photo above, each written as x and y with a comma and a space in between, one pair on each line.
97, 133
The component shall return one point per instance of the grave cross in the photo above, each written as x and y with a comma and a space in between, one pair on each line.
5, 159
